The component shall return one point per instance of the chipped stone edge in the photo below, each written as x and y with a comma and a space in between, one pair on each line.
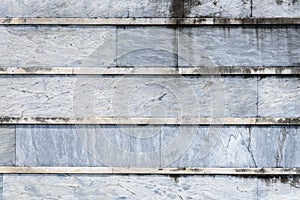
201, 70
147, 21
150, 171
147, 121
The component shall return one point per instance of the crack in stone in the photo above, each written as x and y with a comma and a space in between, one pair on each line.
249, 147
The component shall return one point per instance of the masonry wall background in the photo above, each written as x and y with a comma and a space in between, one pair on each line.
194, 96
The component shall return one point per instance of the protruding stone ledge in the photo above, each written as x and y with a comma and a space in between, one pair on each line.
149, 21
149, 121
276, 70
150, 171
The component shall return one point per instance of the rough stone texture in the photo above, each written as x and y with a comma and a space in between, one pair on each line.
279, 97
86, 8
123, 96
158, 146
276, 8
147, 46
97, 46
51, 46
128, 187
237, 46
220, 8
143, 187
238, 147
273, 146
279, 188
7, 145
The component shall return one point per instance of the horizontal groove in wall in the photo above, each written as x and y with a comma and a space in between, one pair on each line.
149, 121
276, 70
151, 171
148, 21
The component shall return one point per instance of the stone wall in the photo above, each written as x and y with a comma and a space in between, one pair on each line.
56, 73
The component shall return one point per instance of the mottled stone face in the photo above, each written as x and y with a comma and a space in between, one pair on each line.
197, 90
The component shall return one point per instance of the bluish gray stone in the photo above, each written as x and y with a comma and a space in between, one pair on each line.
158, 146
1, 187
7, 146
147, 46
129, 187
220, 8
239, 46
274, 146
127, 96
279, 97
236, 147
276, 8
52, 46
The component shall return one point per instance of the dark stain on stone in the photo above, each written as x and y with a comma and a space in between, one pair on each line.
162, 96
175, 177
6, 21
279, 2
6, 119
182, 8
177, 8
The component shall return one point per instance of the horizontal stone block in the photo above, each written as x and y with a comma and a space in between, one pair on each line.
127, 8
7, 145
158, 146
239, 46
127, 187
238, 147
147, 46
127, 96
51, 46
276, 8
88, 8
142, 187
279, 97
221, 8
151, 46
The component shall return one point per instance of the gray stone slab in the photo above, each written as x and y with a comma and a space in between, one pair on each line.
119, 146
220, 8
1, 187
87, 8
276, 8
51, 46
278, 97
127, 96
7, 146
128, 187
277, 147
146, 46
158, 146
239, 46
236, 147
279, 188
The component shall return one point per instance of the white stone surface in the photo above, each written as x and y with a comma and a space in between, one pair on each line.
128, 187
51, 46
86, 8
127, 96
279, 97
276, 8
219, 8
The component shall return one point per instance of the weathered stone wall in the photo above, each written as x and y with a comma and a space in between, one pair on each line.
150, 8
61, 96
